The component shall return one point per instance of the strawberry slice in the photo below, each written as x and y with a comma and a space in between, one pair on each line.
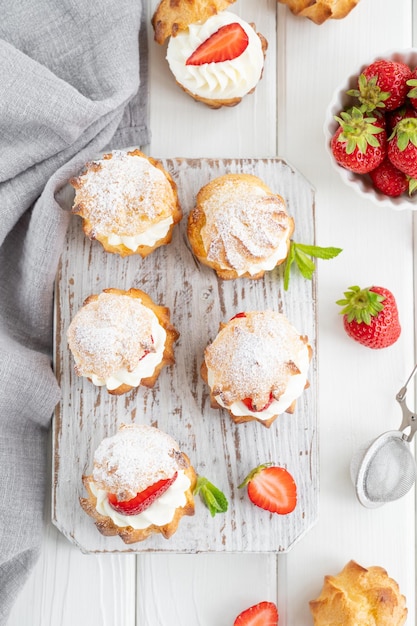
238, 315
143, 499
261, 614
225, 44
271, 488
249, 404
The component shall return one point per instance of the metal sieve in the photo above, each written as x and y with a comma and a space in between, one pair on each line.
385, 469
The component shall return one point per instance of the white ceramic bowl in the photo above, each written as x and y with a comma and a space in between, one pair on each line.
361, 182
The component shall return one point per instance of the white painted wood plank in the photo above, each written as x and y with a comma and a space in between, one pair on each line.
67, 587
357, 386
345, 529
184, 128
179, 403
202, 589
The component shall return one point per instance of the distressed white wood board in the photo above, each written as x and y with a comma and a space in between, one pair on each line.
179, 403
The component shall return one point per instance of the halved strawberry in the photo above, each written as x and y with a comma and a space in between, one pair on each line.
225, 44
248, 402
271, 488
261, 614
143, 499
238, 315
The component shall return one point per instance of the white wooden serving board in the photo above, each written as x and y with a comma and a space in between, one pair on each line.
179, 403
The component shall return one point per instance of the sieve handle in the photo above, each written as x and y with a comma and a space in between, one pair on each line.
409, 418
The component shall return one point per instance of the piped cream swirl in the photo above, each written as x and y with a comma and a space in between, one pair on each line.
218, 81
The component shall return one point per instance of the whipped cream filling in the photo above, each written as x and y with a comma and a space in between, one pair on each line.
295, 388
148, 238
159, 513
216, 81
144, 369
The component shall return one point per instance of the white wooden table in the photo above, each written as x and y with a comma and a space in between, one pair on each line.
357, 386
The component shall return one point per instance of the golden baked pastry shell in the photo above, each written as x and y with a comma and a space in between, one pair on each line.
129, 535
359, 595
163, 315
121, 249
319, 11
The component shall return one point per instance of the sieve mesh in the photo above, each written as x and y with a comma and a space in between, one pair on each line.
385, 472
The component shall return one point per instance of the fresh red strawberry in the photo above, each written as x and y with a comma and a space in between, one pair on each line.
225, 44
389, 180
271, 488
238, 315
402, 146
355, 145
393, 117
383, 84
262, 614
370, 316
248, 402
412, 94
143, 499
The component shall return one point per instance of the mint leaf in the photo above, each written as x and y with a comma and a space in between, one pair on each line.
304, 264
301, 254
318, 252
288, 263
213, 498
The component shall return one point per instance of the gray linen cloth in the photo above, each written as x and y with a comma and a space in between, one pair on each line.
72, 83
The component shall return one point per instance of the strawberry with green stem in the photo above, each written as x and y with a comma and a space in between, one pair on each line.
355, 144
402, 146
272, 488
412, 94
261, 614
370, 316
382, 85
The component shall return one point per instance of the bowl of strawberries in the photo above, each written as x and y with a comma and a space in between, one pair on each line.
371, 130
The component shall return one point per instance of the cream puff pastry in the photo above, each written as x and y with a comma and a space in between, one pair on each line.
257, 367
359, 595
128, 202
121, 339
215, 56
141, 484
239, 227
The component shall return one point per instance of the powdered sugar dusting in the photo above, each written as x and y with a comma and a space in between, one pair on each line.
253, 356
111, 332
244, 223
123, 194
136, 457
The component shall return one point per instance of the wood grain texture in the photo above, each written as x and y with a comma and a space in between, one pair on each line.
179, 403
304, 64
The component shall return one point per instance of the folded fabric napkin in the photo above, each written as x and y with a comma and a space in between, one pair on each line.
73, 83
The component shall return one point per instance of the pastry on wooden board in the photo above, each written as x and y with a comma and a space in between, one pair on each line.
141, 484
256, 367
320, 10
215, 56
239, 227
128, 202
359, 596
121, 339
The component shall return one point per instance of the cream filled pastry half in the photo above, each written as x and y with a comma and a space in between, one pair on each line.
257, 367
141, 484
121, 339
128, 202
214, 55
239, 227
